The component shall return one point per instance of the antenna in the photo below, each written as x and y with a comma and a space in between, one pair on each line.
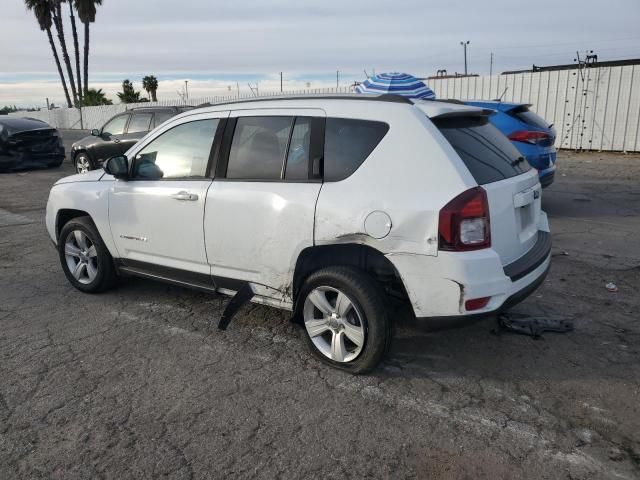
505, 91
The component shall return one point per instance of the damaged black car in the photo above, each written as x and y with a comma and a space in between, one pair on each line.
27, 143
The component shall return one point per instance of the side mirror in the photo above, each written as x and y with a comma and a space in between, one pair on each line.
95, 132
118, 167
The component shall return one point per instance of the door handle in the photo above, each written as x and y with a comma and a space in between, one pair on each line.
185, 196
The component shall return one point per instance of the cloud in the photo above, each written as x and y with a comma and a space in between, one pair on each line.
225, 41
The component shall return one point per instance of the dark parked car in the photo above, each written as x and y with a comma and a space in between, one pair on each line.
118, 135
27, 142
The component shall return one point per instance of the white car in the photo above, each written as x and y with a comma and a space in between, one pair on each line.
325, 206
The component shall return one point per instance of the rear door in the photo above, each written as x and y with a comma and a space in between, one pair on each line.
261, 206
512, 187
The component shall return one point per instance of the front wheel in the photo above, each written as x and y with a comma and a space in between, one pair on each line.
85, 259
83, 163
345, 318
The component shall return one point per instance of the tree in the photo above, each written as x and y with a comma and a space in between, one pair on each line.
129, 94
56, 13
76, 49
8, 109
93, 97
150, 84
87, 14
43, 14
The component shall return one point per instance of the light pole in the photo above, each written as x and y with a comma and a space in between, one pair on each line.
464, 45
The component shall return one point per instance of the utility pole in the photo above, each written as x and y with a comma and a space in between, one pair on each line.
337, 79
464, 45
186, 89
491, 65
280, 82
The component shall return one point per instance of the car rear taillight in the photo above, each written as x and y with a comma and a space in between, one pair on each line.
464, 222
529, 136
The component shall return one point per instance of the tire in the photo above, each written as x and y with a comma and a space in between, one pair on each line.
80, 243
361, 318
83, 163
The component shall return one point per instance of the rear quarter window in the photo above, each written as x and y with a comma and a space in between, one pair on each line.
348, 143
487, 153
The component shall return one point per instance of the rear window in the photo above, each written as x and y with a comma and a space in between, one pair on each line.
487, 153
347, 144
527, 116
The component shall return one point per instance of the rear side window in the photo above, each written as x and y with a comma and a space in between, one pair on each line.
139, 122
487, 153
527, 116
258, 148
161, 117
348, 143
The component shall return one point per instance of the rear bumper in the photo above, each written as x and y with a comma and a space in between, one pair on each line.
438, 287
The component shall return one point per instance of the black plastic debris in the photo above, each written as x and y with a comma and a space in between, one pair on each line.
241, 298
534, 326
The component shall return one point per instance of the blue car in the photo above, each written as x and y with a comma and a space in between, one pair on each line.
530, 133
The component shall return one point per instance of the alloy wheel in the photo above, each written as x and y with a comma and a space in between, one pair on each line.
82, 164
334, 324
81, 256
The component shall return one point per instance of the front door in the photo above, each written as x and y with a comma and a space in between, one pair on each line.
261, 206
110, 138
156, 217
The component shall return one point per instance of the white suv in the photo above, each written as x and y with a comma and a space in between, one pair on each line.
325, 206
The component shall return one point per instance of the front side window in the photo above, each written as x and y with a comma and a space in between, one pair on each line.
348, 143
139, 122
258, 148
115, 126
182, 152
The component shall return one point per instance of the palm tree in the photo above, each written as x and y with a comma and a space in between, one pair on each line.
76, 50
87, 14
56, 13
93, 97
42, 12
129, 94
150, 84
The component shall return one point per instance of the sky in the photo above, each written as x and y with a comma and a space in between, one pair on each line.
221, 46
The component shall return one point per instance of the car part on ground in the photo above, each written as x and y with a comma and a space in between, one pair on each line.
28, 143
325, 206
534, 326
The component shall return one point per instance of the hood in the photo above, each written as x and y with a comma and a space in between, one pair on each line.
14, 125
91, 176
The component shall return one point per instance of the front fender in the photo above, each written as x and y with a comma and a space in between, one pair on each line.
91, 197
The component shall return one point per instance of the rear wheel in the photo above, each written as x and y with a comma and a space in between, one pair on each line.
83, 163
345, 318
85, 259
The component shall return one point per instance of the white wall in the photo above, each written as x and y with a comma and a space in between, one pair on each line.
592, 109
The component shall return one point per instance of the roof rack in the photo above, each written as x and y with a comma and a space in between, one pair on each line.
387, 97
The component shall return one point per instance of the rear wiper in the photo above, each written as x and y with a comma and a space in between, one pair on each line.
517, 161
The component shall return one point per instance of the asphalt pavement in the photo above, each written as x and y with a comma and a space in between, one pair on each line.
138, 383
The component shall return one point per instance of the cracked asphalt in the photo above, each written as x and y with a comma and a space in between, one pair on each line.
138, 383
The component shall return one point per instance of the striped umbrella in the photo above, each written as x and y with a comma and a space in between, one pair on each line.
398, 84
